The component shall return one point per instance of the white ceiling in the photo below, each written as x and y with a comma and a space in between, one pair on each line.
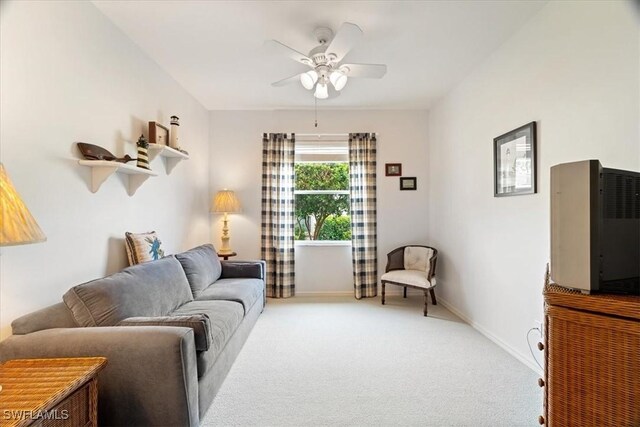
214, 49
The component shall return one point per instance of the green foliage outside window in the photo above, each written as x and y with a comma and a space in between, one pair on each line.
322, 216
336, 228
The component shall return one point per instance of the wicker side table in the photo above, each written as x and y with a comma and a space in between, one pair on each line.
50, 392
592, 358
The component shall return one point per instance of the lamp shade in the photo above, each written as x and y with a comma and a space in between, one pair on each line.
18, 225
225, 201
338, 79
309, 79
321, 91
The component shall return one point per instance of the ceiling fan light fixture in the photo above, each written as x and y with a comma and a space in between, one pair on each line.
325, 62
338, 80
309, 79
322, 91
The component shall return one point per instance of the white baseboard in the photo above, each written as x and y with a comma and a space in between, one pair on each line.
525, 359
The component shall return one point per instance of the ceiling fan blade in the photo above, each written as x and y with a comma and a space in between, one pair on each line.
370, 71
277, 47
287, 81
347, 36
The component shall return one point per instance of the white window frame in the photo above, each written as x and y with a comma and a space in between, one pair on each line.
321, 191
337, 148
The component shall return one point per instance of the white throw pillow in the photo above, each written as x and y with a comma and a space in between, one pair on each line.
417, 258
143, 247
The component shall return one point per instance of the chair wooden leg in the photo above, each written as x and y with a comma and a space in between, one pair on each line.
383, 293
433, 296
405, 292
426, 299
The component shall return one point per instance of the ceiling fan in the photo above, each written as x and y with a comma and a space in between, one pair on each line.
324, 61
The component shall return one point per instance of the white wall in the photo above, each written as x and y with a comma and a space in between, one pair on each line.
574, 69
69, 75
236, 163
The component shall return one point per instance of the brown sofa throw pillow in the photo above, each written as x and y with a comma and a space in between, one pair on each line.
200, 324
143, 247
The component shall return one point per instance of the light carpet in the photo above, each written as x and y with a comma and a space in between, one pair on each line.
336, 361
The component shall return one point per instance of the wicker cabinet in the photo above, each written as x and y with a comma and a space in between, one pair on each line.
50, 392
592, 359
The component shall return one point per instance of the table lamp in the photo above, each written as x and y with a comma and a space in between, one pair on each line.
18, 225
225, 202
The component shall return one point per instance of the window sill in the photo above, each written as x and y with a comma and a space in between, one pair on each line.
323, 242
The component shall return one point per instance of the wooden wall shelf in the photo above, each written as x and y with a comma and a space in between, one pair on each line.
101, 170
171, 156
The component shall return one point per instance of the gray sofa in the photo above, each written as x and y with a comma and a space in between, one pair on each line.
170, 330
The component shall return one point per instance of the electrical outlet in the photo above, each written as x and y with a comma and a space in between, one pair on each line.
538, 325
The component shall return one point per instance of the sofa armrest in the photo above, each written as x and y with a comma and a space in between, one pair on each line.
243, 269
53, 316
150, 378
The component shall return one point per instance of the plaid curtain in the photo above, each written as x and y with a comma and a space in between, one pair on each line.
278, 213
362, 183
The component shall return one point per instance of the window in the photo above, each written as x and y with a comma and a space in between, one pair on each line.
322, 191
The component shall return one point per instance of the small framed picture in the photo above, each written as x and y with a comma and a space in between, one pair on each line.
393, 169
514, 162
408, 183
158, 134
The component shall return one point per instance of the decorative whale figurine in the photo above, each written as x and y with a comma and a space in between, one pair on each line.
94, 152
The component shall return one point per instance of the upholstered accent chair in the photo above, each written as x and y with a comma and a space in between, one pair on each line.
412, 266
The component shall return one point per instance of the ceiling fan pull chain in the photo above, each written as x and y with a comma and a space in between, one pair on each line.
315, 101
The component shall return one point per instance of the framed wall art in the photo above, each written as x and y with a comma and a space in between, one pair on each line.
514, 162
393, 169
408, 183
158, 134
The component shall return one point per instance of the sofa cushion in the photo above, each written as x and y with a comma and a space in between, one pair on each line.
198, 322
224, 317
151, 289
202, 267
244, 291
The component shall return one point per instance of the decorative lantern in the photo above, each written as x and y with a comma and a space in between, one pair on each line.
175, 124
143, 155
